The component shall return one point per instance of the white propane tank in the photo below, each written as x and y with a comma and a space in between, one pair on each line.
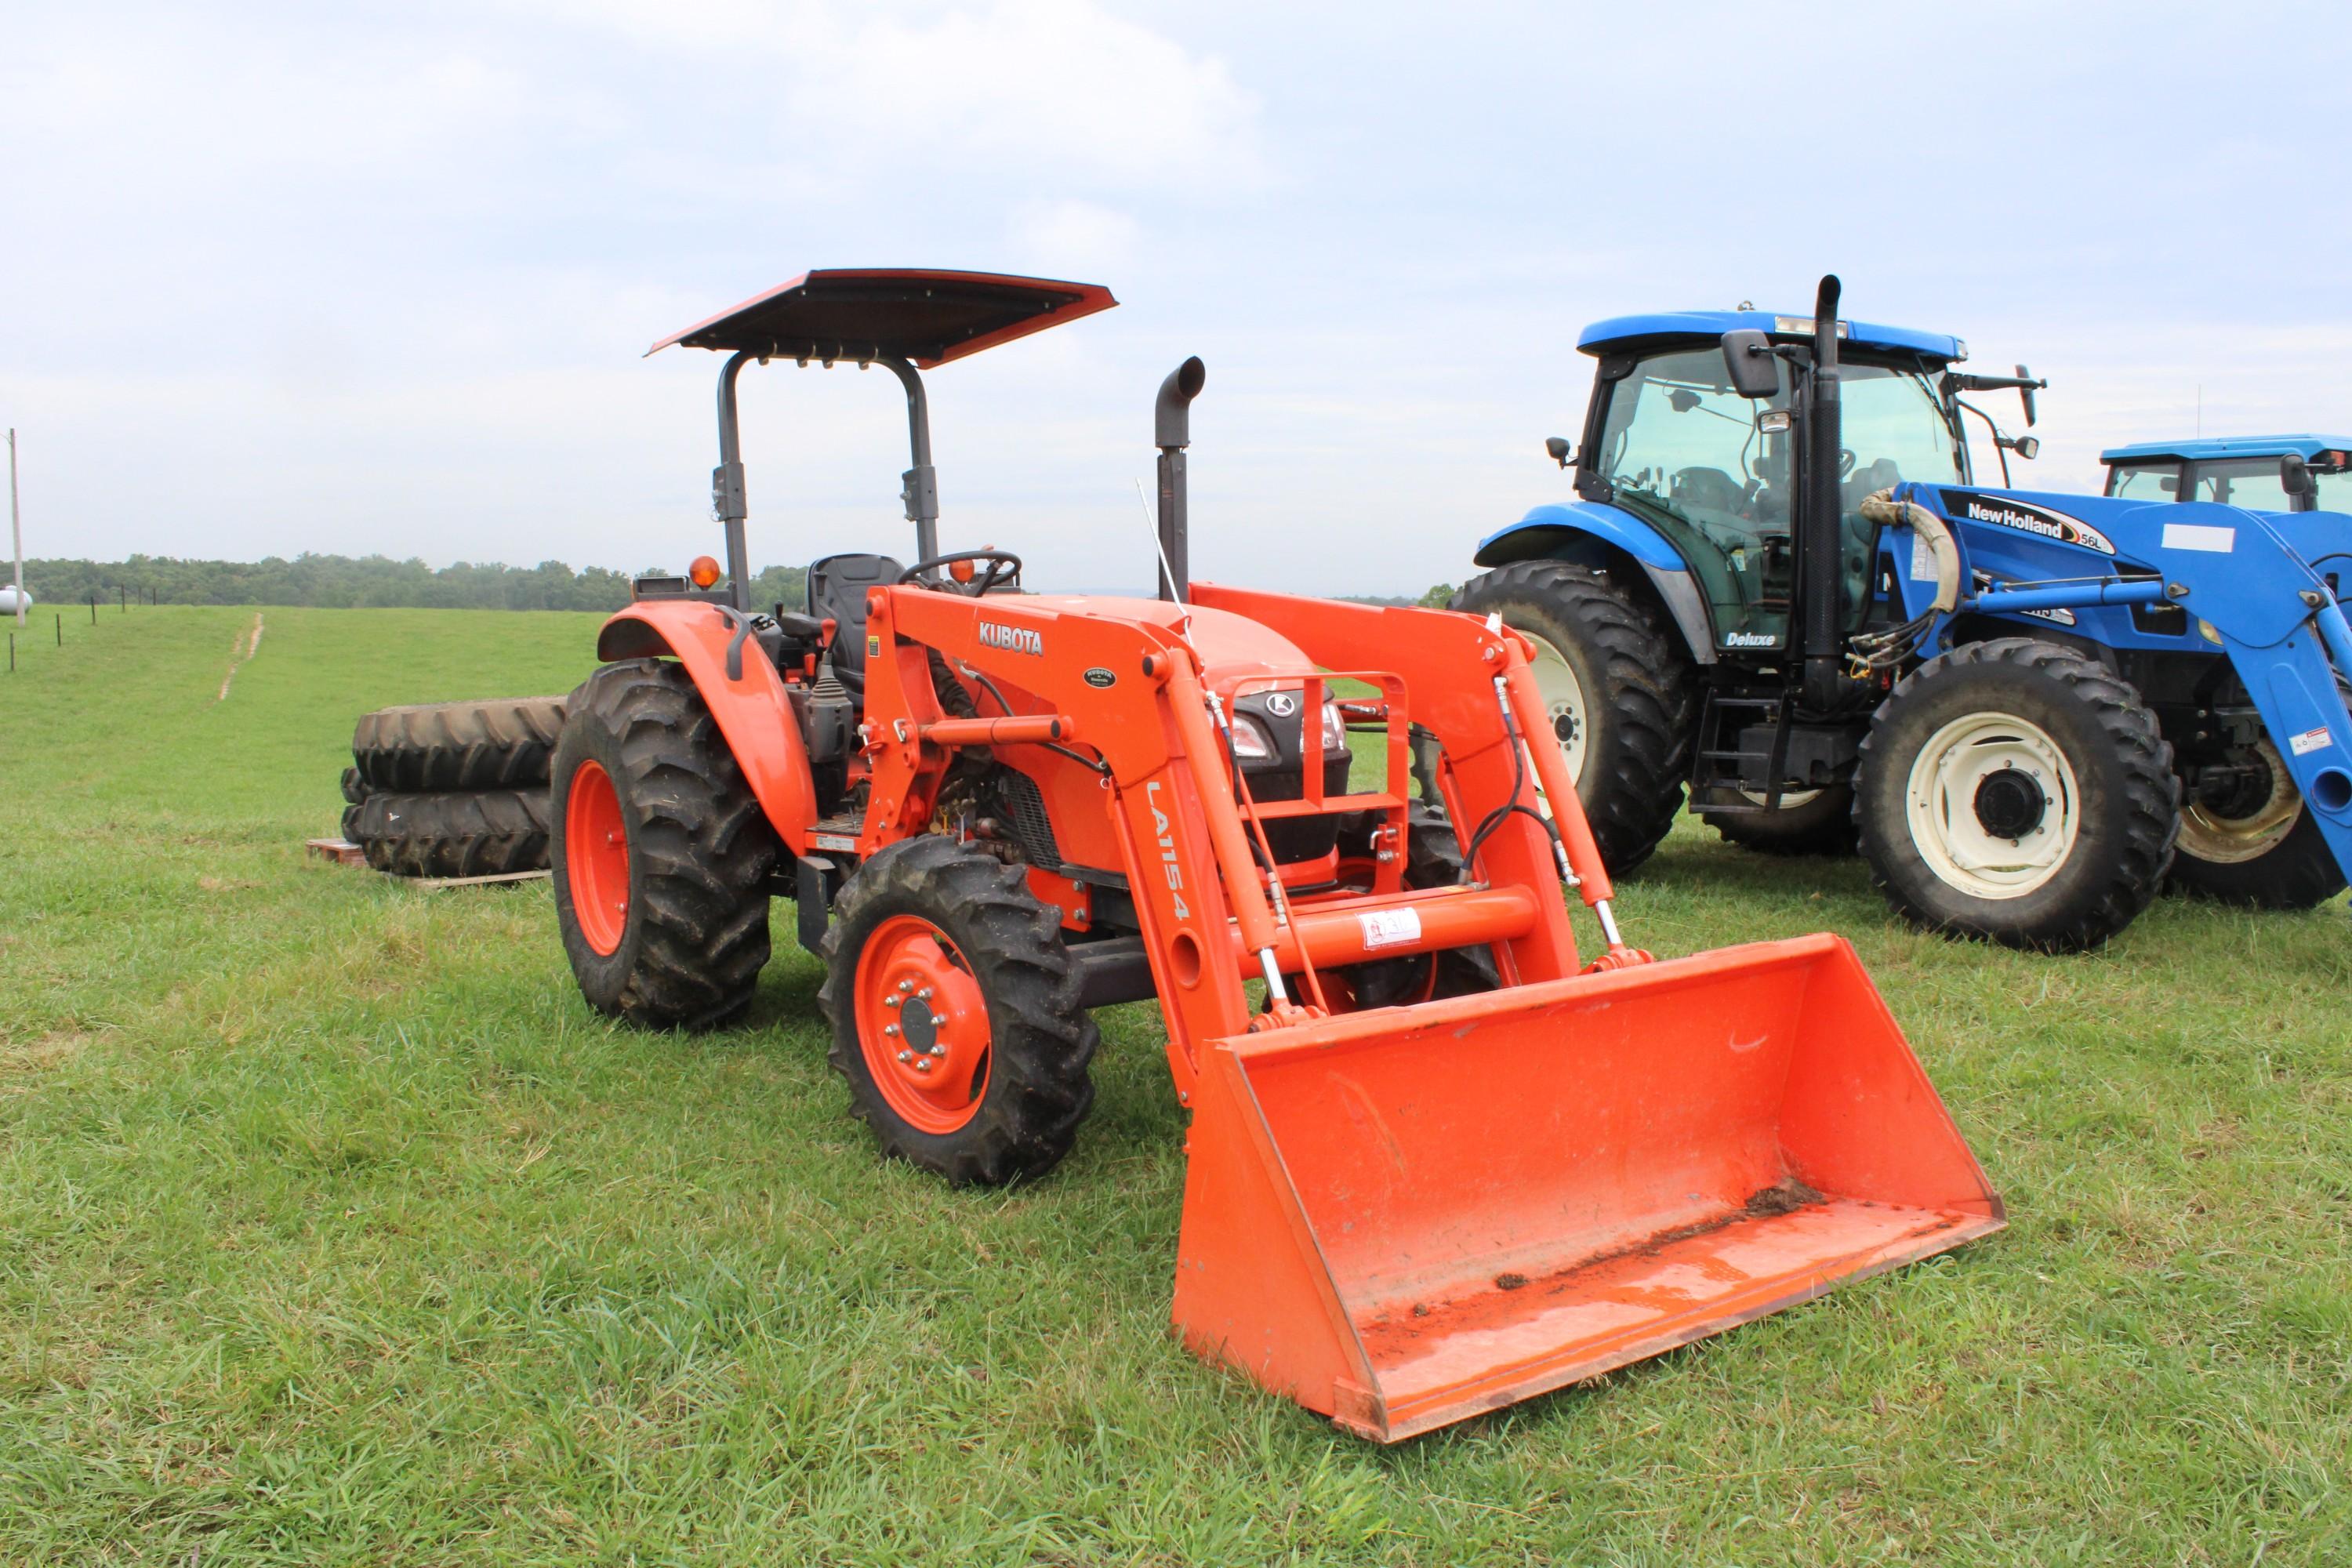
8, 605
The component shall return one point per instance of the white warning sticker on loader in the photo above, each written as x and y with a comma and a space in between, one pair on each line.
1387, 927
1923, 559
2200, 536
2310, 740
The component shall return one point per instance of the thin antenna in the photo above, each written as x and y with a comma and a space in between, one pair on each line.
1168, 573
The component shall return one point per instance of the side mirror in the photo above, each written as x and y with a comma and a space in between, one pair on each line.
2295, 475
1748, 358
2026, 395
2027, 447
1561, 452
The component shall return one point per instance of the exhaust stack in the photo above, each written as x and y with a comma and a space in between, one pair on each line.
1819, 571
1172, 432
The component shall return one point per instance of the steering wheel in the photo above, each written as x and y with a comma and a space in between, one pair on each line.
1004, 567
1846, 460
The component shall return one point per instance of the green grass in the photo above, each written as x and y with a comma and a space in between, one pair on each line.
338, 1231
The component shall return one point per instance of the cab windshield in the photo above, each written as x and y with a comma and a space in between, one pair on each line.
1685, 449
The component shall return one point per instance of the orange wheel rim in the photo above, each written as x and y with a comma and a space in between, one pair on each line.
596, 857
922, 1024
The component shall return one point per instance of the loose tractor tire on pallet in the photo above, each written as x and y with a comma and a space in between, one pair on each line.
1439, 1159
453, 789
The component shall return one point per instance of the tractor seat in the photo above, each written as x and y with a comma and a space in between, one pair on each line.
836, 591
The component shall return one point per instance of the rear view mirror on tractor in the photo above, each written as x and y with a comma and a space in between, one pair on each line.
1748, 357
2295, 475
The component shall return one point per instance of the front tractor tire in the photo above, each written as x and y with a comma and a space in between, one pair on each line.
956, 1015
2017, 792
2255, 842
1619, 686
661, 853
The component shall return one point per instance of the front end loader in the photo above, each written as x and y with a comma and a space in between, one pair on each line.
1439, 1158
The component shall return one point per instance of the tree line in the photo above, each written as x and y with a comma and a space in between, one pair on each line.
365, 582
380, 583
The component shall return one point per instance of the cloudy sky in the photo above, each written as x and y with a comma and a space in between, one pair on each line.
364, 278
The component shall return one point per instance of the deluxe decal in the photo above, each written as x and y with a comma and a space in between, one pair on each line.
1750, 639
1011, 639
2005, 511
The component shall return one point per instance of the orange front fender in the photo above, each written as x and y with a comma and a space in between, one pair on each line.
751, 710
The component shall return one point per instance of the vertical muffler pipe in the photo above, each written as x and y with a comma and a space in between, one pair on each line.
1820, 573
1172, 432
726, 496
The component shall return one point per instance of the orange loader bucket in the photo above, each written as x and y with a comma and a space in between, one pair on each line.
1407, 1216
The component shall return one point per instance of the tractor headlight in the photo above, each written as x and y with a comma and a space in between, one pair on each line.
1251, 742
1335, 729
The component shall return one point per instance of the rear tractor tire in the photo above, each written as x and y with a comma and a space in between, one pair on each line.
955, 1012
662, 853
2256, 846
1618, 685
2015, 791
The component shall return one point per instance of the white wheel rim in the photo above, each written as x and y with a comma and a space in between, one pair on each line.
2232, 840
1940, 802
1563, 699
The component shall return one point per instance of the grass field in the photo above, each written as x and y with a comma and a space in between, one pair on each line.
335, 1229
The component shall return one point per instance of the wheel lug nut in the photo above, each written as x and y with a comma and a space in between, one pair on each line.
892, 1001
923, 1063
924, 995
906, 1056
938, 1050
890, 1028
905, 985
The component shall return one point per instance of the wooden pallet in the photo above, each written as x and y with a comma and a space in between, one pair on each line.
435, 884
341, 851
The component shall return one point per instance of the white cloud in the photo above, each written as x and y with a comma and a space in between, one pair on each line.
1071, 236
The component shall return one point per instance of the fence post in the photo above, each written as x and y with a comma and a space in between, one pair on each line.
61, 628
93, 607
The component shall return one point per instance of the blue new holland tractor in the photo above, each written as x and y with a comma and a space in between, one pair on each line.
1781, 587
2239, 470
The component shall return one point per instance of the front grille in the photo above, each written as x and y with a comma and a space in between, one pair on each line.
1025, 811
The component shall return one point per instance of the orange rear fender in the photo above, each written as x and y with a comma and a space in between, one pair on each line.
752, 710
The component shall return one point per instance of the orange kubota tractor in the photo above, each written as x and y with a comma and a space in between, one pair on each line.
1439, 1162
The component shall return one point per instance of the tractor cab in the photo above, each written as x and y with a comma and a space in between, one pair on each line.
2261, 473
1715, 469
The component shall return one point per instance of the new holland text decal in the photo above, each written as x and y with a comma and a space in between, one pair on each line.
1013, 639
2007, 512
